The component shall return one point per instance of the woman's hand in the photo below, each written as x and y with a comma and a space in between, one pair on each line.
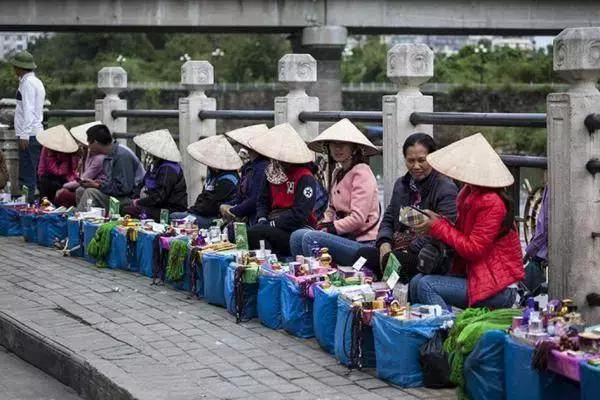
225, 213
383, 250
424, 227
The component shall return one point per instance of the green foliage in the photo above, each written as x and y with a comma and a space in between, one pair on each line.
367, 62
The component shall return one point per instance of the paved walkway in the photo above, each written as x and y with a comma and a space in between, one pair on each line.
21, 381
155, 343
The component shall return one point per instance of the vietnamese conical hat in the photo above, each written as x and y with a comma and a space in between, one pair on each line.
243, 135
58, 139
282, 143
215, 152
343, 131
160, 144
472, 160
79, 132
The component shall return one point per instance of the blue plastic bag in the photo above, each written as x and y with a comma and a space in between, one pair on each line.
144, 252
397, 345
250, 295
214, 268
74, 238
522, 382
484, 368
89, 230
343, 337
10, 222
51, 228
269, 301
325, 317
590, 381
29, 226
117, 256
296, 310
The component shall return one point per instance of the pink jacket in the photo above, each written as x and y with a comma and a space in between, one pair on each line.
58, 164
354, 204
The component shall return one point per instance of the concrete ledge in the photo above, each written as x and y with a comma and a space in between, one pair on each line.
58, 361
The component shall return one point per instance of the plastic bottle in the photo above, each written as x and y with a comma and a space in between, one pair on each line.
89, 204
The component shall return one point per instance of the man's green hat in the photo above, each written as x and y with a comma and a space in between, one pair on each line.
23, 60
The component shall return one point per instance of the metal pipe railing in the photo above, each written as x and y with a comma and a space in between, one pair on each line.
145, 114
479, 119
69, 113
131, 135
511, 160
250, 115
593, 166
334, 116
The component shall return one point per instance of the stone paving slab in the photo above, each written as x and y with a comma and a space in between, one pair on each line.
138, 341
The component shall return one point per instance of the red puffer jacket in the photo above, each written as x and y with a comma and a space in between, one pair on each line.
490, 263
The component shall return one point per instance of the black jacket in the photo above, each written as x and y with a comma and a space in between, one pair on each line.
165, 188
438, 194
220, 189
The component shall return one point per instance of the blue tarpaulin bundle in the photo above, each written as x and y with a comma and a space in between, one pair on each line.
29, 226
74, 237
89, 230
590, 381
269, 301
325, 317
214, 268
522, 382
343, 337
10, 222
117, 256
250, 293
296, 310
51, 228
397, 346
484, 368
144, 252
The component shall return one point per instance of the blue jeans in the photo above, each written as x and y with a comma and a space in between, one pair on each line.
201, 221
28, 167
341, 249
452, 290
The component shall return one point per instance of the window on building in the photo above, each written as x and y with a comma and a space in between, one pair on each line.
19, 47
19, 37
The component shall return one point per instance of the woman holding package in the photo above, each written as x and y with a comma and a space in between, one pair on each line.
90, 165
488, 258
164, 184
59, 160
288, 196
351, 220
221, 182
423, 188
243, 206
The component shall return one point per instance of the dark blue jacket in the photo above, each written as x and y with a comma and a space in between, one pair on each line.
251, 182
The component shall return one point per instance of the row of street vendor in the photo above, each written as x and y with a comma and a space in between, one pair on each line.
456, 248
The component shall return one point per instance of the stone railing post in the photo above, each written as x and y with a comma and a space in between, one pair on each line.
298, 71
574, 255
196, 76
408, 66
112, 81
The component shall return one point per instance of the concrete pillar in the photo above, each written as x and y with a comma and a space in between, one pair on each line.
298, 71
574, 196
112, 81
408, 66
196, 76
326, 44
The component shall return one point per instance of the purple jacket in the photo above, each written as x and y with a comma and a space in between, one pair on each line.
538, 247
252, 180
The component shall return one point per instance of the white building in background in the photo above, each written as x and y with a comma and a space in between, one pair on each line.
518, 43
13, 42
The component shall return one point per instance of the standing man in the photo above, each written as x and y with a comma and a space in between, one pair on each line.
29, 114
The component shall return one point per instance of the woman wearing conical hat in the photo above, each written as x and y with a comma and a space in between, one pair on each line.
58, 160
243, 206
351, 220
287, 200
489, 259
222, 162
90, 165
164, 184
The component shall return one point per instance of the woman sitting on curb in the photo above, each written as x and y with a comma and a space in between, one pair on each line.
352, 217
489, 260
